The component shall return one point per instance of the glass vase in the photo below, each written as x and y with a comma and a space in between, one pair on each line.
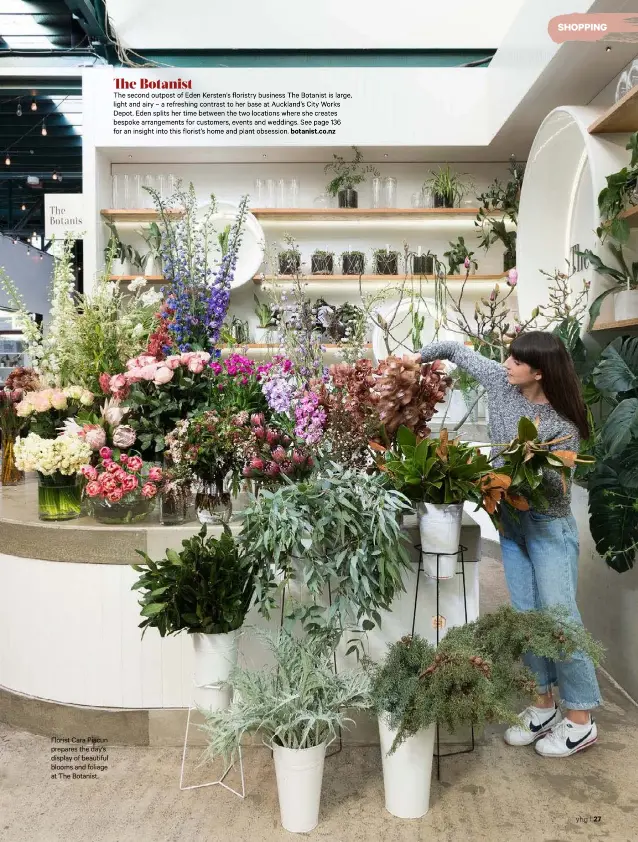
10, 475
214, 503
59, 497
173, 508
131, 511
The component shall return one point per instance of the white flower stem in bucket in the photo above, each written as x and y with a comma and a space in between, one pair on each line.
215, 659
440, 529
407, 772
299, 774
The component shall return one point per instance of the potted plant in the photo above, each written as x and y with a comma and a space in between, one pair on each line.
320, 532
151, 261
289, 261
422, 264
448, 187
296, 706
619, 194
120, 258
460, 258
439, 476
386, 262
206, 590
347, 174
266, 317
322, 262
353, 262
473, 677
498, 213
624, 284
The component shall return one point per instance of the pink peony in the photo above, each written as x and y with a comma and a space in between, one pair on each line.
186, 357
204, 356
113, 468
93, 489
163, 375
108, 484
58, 399
124, 436
120, 475
106, 452
196, 365
89, 472
117, 383
147, 372
105, 383
512, 277
134, 375
123, 458
106, 462
115, 496
149, 490
130, 483
155, 474
134, 463
94, 436
173, 362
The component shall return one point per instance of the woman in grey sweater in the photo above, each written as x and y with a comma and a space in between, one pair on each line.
540, 549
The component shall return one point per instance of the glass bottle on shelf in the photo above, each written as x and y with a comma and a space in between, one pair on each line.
136, 191
169, 186
271, 193
293, 193
126, 191
281, 193
417, 199
116, 191
259, 196
389, 192
160, 185
376, 192
149, 182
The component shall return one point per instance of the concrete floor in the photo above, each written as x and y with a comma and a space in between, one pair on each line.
497, 793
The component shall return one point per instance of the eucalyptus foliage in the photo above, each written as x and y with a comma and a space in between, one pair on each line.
298, 702
206, 588
340, 529
475, 675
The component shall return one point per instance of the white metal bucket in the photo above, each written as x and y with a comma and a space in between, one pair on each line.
626, 305
408, 772
440, 528
215, 658
299, 779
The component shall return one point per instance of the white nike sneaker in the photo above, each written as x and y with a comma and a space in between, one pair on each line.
535, 723
567, 738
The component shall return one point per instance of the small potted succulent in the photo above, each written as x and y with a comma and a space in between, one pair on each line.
422, 264
289, 261
266, 317
322, 262
448, 188
386, 262
347, 174
353, 262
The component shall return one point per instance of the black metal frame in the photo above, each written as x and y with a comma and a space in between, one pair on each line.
463, 561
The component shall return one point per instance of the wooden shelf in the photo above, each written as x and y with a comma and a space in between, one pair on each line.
621, 325
621, 117
342, 214
251, 346
322, 279
631, 215
135, 214
151, 279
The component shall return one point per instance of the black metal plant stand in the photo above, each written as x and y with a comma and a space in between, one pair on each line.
460, 553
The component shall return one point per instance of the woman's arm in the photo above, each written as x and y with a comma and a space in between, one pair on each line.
488, 373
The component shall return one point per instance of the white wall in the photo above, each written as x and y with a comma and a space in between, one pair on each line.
31, 274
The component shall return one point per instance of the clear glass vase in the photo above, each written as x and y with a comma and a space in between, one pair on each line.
59, 497
214, 503
173, 508
9, 473
123, 512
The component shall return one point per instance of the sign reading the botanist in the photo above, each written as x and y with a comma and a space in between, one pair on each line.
63, 214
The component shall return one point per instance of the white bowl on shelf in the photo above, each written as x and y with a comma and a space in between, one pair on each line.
253, 243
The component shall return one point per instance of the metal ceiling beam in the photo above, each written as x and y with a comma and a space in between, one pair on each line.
93, 18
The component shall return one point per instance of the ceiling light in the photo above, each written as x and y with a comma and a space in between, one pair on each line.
19, 109
44, 129
33, 236
41, 257
28, 251
55, 175
23, 207
7, 160
385, 154
607, 49
34, 105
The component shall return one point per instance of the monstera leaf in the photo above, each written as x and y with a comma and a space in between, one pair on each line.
617, 369
613, 518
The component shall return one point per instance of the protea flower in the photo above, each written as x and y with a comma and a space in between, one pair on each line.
124, 436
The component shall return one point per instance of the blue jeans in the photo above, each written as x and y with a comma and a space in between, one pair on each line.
540, 558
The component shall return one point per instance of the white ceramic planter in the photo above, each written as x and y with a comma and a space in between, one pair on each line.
440, 529
407, 773
299, 775
626, 305
215, 658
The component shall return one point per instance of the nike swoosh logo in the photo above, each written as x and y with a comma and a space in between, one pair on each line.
536, 728
571, 745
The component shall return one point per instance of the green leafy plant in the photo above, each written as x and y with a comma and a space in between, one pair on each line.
450, 186
499, 206
115, 249
266, 314
152, 236
347, 174
457, 254
206, 588
289, 261
474, 676
617, 196
298, 702
613, 484
339, 529
623, 277
223, 239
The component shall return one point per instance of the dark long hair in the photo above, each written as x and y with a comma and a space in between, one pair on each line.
547, 353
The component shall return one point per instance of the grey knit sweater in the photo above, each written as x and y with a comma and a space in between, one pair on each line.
506, 406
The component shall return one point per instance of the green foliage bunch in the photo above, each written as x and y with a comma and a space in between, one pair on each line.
298, 702
457, 254
206, 588
498, 206
449, 185
475, 675
617, 197
340, 529
347, 174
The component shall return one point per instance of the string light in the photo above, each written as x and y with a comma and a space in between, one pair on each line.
7, 160
55, 175
44, 129
23, 207
19, 108
34, 105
